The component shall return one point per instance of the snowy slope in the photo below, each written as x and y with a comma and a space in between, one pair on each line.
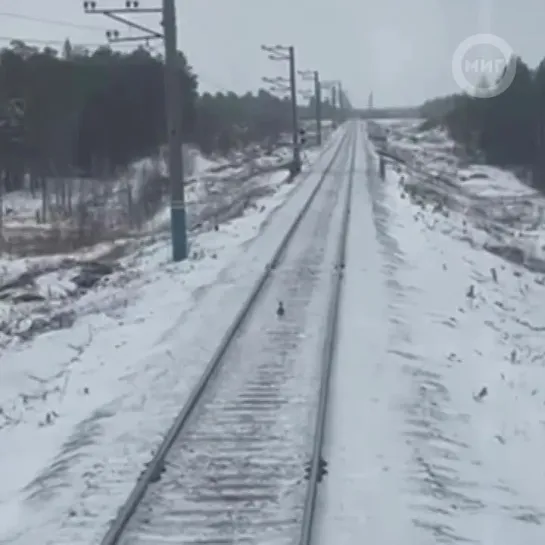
20, 207
475, 457
509, 214
449, 429
97, 396
83, 408
40, 292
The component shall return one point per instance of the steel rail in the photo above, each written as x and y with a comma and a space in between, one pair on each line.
155, 467
328, 355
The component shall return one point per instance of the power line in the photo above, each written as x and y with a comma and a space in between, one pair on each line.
36, 41
50, 21
33, 41
287, 53
154, 50
202, 78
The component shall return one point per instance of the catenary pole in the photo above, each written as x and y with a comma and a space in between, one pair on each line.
287, 53
318, 105
173, 95
173, 101
295, 117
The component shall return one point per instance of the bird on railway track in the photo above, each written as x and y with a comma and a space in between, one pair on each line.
280, 310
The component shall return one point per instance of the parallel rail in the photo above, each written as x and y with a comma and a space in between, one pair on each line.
330, 341
189, 482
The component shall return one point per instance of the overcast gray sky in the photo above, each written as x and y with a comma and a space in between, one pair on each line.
399, 49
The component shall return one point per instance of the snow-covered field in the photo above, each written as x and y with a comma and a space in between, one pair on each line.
66, 214
43, 292
92, 375
476, 423
443, 362
509, 215
437, 412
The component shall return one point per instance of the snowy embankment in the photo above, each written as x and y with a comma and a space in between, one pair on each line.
456, 455
478, 414
509, 215
61, 197
83, 408
42, 293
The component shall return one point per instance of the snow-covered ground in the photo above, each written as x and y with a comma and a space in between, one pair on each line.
85, 403
478, 417
437, 413
437, 423
509, 215
120, 197
357, 499
42, 292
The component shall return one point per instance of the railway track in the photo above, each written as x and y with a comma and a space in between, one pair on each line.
231, 469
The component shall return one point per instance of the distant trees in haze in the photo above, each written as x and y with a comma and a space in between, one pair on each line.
507, 130
92, 112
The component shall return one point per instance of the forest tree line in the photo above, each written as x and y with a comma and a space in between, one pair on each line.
507, 130
91, 113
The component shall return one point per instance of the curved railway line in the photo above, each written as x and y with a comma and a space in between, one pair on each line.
232, 467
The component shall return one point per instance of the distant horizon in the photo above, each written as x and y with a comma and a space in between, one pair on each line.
94, 47
59, 44
400, 51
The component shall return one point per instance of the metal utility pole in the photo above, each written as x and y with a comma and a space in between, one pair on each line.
344, 103
336, 97
172, 102
314, 75
279, 86
332, 86
318, 99
341, 102
287, 53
